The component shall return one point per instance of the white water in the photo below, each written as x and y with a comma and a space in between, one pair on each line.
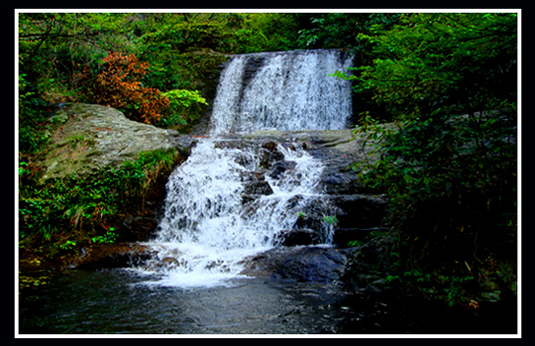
290, 91
208, 231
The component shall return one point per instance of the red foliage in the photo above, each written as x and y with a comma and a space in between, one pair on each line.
119, 87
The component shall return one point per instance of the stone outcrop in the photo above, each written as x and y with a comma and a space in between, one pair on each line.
318, 264
91, 137
300, 256
357, 213
103, 256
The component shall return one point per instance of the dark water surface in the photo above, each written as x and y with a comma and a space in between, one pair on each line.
117, 301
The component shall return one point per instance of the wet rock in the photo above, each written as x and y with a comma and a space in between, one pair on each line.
360, 211
252, 176
315, 264
296, 237
271, 146
279, 167
137, 227
104, 256
318, 264
259, 187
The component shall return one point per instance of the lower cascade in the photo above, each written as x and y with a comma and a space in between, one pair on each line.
232, 198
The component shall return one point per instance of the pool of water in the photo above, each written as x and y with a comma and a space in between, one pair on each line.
119, 301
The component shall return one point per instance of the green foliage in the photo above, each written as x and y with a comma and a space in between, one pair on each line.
331, 220
83, 208
184, 48
109, 237
68, 245
187, 106
441, 63
343, 30
32, 134
272, 32
448, 163
60, 50
61, 53
355, 243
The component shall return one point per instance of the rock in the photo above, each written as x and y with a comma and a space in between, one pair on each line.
136, 227
271, 146
259, 187
337, 149
104, 256
360, 211
296, 237
91, 137
279, 167
313, 264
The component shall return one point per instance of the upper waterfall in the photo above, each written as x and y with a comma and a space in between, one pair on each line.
286, 91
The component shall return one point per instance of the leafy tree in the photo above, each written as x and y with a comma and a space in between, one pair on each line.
59, 52
171, 43
119, 87
442, 63
342, 30
272, 32
448, 164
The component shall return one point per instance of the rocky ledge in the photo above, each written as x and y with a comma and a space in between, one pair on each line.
90, 137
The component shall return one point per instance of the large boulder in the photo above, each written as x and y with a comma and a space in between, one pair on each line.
91, 137
312, 264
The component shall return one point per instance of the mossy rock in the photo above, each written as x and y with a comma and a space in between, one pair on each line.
90, 137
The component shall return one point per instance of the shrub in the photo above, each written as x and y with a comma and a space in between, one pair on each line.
186, 106
118, 86
83, 208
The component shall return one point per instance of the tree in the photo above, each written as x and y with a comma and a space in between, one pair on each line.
441, 62
119, 87
448, 164
60, 51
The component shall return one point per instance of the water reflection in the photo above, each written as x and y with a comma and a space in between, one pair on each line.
117, 301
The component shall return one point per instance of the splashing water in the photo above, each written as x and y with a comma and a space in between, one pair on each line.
209, 227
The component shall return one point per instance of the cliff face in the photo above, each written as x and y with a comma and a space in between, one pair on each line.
92, 137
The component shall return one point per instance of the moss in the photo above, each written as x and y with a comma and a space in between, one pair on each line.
77, 209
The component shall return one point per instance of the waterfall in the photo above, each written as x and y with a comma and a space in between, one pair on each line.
283, 90
212, 224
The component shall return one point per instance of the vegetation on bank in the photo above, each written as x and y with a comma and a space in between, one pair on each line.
446, 80
64, 213
449, 164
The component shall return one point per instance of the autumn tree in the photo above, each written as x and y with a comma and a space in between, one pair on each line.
118, 86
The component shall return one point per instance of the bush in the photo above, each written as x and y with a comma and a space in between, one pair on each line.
82, 208
449, 162
186, 106
119, 87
